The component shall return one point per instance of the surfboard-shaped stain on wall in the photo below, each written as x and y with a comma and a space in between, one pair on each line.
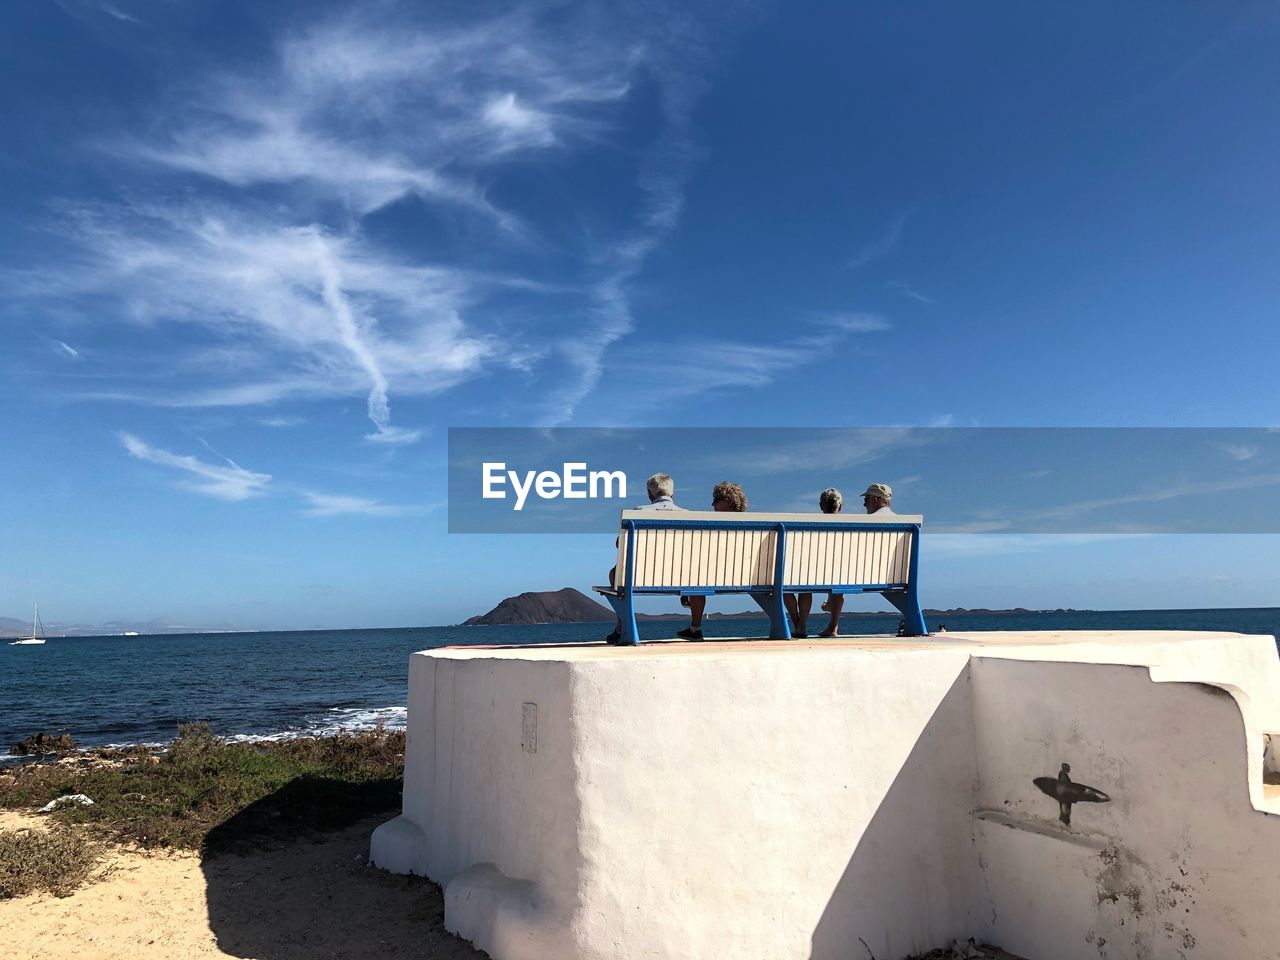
1067, 792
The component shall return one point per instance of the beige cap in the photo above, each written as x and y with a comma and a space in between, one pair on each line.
881, 490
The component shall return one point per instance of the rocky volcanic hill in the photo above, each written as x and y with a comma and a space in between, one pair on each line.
549, 606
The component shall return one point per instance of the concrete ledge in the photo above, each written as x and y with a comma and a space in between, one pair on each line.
400, 846
789, 800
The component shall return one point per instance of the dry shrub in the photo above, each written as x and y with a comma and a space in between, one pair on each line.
56, 862
205, 793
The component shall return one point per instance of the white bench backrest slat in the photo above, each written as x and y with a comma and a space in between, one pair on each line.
720, 557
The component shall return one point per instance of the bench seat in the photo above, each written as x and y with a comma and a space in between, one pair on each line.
765, 555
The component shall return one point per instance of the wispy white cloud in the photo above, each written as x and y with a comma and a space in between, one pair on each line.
257, 242
674, 59
119, 14
67, 350
370, 107
228, 481
280, 423
691, 366
1160, 494
282, 311
909, 291
336, 505
808, 451
856, 322
231, 482
352, 336
882, 245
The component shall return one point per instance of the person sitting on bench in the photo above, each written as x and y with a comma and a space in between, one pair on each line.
725, 498
875, 500
830, 500
662, 492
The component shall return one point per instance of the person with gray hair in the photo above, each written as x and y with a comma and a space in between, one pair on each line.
830, 500
662, 492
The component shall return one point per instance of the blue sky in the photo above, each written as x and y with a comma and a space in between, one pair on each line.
257, 258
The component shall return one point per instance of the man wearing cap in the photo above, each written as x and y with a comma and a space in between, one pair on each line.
876, 501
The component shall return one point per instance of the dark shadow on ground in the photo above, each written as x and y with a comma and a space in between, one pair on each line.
286, 879
913, 856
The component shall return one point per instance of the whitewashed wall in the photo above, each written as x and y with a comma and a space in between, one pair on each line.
789, 801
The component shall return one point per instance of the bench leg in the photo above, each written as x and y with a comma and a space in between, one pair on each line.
625, 607
772, 604
908, 604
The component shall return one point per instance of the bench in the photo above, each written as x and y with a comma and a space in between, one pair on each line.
765, 555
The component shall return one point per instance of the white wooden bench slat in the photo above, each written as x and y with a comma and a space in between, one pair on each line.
744, 558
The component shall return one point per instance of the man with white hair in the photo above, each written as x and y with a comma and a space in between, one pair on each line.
662, 492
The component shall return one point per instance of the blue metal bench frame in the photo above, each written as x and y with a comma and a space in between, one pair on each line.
905, 599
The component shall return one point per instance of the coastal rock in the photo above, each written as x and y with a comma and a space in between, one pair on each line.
43, 743
548, 606
77, 798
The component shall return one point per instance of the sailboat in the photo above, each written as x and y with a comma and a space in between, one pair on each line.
37, 629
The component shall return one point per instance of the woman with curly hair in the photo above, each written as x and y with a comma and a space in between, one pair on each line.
725, 498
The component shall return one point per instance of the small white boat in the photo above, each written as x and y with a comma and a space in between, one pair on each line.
37, 632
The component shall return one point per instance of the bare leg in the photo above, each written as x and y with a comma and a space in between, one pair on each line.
833, 606
805, 605
696, 606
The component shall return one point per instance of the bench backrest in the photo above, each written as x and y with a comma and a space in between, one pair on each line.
687, 548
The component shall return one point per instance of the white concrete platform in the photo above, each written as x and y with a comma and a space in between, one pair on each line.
768, 800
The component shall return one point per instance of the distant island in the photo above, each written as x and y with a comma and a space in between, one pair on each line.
573, 606
548, 606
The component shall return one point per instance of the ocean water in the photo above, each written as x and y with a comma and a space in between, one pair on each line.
123, 690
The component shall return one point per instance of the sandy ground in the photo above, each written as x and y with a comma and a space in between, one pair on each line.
299, 902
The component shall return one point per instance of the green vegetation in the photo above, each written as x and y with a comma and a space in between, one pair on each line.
205, 794
56, 862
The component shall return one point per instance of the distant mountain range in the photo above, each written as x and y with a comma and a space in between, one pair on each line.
15, 627
574, 606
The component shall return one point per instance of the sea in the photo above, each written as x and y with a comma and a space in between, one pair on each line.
116, 691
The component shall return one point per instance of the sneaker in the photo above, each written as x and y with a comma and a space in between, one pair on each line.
614, 638
688, 633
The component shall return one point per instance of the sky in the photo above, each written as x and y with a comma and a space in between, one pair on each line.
257, 259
